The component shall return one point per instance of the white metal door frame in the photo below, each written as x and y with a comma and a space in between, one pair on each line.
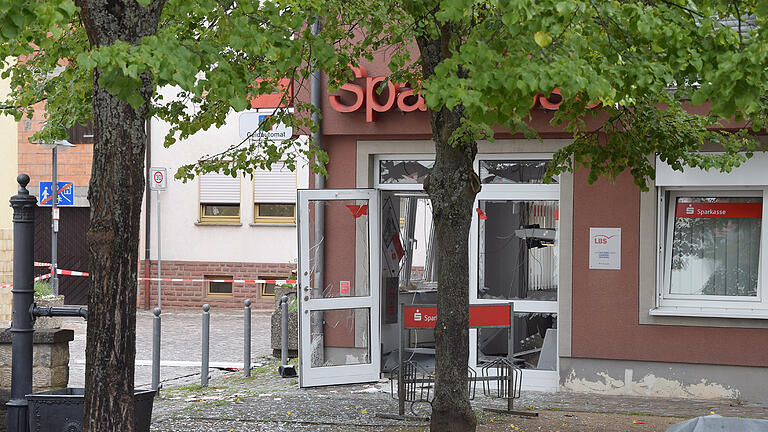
329, 375
538, 380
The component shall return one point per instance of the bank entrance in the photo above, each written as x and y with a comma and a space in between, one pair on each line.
373, 249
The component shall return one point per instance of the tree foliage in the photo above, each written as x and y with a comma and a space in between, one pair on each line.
646, 63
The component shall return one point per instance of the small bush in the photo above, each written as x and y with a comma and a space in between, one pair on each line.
43, 289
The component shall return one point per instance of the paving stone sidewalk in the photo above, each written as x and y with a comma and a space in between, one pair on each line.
266, 402
181, 344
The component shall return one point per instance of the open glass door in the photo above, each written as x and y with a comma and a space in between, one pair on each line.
338, 289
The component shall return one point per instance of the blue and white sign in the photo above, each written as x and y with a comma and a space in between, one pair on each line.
252, 125
66, 194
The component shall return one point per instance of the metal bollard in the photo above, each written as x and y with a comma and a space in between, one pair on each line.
156, 349
285, 370
206, 340
284, 330
247, 339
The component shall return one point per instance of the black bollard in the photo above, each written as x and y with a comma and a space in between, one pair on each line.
23, 295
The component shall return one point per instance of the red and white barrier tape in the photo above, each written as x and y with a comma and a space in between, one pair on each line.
41, 277
267, 281
244, 281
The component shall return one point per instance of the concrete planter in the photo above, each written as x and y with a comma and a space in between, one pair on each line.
293, 334
293, 325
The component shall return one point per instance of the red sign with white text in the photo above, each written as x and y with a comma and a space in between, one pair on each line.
719, 210
479, 316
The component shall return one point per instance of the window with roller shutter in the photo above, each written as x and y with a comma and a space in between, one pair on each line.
274, 195
219, 198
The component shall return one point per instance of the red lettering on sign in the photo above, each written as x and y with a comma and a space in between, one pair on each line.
719, 210
398, 95
355, 89
602, 238
395, 95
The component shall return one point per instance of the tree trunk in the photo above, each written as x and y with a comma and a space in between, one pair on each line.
452, 185
115, 195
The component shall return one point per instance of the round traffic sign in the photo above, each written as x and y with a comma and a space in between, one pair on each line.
158, 177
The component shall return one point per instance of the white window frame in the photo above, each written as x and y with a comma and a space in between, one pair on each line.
534, 379
704, 305
278, 168
202, 203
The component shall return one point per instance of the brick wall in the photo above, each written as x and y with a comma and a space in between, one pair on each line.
193, 294
74, 164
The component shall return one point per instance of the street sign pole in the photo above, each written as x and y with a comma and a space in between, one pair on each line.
158, 181
54, 225
159, 259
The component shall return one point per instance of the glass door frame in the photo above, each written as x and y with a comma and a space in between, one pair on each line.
533, 379
343, 374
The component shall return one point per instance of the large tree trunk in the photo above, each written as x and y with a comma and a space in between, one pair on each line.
115, 194
452, 185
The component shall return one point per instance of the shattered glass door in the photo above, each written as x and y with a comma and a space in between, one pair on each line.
338, 344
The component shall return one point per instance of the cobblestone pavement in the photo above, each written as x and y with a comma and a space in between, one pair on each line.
266, 402
180, 351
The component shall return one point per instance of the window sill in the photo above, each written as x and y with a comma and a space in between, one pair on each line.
709, 312
273, 224
218, 224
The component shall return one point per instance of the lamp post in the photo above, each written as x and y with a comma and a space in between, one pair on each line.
55, 146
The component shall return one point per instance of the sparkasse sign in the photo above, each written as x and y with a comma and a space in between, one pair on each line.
719, 210
352, 97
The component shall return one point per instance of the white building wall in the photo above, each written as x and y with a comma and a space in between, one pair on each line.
183, 237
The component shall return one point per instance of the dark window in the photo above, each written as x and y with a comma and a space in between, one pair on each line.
216, 288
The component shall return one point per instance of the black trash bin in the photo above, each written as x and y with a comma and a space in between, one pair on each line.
62, 410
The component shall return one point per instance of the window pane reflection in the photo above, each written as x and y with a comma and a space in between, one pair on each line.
716, 246
404, 171
513, 171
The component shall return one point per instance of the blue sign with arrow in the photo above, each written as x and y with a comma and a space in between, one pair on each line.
65, 192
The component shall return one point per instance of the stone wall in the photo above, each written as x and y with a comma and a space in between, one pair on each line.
50, 359
193, 294
6, 274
